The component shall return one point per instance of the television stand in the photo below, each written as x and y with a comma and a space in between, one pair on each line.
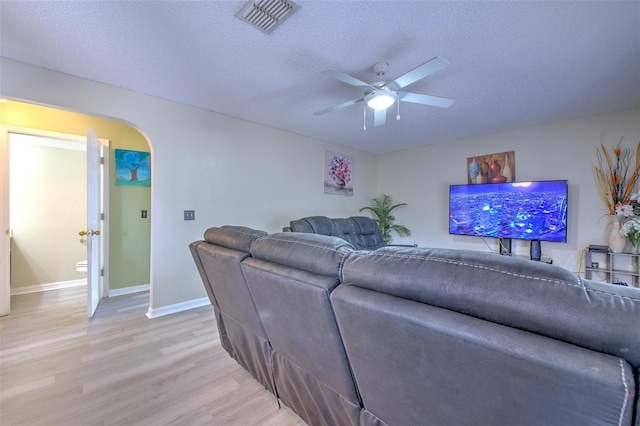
505, 246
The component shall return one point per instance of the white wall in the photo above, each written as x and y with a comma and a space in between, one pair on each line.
565, 150
229, 171
235, 172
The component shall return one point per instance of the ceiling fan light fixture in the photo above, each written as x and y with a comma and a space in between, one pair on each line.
381, 99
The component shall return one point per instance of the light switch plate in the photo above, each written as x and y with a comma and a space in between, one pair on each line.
189, 215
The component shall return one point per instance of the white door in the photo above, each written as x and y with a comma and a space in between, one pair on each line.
94, 285
5, 289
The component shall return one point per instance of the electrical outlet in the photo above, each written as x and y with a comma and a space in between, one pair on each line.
189, 215
143, 214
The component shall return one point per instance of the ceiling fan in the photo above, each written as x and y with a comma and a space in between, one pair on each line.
382, 94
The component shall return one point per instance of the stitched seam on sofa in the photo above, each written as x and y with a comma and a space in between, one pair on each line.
253, 301
626, 394
579, 284
346, 355
322, 381
238, 231
307, 283
337, 249
240, 324
341, 267
454, 262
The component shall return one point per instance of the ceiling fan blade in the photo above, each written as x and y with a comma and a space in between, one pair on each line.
346, 78
337, 107
379, 117
432, 65
417, 98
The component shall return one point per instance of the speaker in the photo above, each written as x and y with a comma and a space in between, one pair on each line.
536, 250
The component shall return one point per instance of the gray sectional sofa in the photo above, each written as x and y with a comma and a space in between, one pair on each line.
418, 336
360, 231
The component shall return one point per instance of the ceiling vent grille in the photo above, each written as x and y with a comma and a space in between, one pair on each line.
266, 15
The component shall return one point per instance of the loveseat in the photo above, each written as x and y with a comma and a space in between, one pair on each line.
412, 336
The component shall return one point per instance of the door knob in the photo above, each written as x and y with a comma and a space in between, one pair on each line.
89, 233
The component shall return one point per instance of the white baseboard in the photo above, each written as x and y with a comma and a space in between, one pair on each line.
129, 290
178, 307
46, 287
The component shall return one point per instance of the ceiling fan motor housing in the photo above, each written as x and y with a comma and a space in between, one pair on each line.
380, 68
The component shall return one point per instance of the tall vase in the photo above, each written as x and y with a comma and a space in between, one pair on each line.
615, 240
635, 243
474, 170
506, 171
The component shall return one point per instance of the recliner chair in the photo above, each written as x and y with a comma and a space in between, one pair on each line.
360, 231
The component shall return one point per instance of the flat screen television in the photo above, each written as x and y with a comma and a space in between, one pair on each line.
520, 210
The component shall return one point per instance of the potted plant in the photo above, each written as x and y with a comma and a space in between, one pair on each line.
382, 207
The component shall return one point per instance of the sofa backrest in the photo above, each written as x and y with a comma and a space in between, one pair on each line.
491, 338
533, 296
218, 258
291, 276
367, 235
228, 247
360, 231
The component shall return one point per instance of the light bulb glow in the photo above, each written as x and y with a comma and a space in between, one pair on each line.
381, 99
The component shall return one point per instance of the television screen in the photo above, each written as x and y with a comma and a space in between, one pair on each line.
522, 210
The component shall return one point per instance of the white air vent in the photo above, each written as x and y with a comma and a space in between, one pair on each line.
266, 15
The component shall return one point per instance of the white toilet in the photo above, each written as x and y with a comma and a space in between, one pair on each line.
82, 266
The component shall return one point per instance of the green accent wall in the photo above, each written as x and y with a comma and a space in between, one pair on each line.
129, 234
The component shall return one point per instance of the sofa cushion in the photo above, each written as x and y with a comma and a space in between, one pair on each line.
412, 361
360, 231
313, 225
314, 253
233, 237
532, 296
241, 331
367, 235
291, 276
343, 228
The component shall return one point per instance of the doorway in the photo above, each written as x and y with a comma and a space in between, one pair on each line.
129, 233
47, 210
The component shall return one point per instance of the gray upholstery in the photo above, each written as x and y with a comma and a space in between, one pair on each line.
407, 336
241, 331
291, 276
361, 231
531, 296
489, 340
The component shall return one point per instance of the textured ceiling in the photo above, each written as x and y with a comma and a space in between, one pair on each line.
512, 64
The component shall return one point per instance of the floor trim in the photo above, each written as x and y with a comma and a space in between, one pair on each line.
178, 307
46, 287
129, 290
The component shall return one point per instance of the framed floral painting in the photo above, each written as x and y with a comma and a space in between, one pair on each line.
338, 174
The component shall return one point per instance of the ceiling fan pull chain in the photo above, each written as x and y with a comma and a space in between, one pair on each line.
364, 110
398, 116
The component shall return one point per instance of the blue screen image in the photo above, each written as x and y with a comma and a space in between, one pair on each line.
521, 210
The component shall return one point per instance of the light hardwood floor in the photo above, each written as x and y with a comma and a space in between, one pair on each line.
121, 368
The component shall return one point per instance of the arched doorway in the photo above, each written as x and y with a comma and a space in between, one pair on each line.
130, 228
